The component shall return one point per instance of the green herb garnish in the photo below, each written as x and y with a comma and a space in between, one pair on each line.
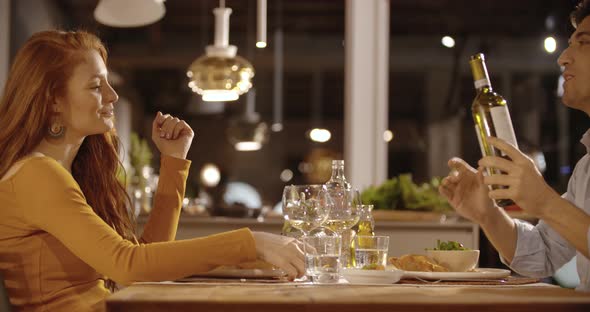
449, 245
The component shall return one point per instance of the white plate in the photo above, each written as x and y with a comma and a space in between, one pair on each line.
241, 273
477, 274
357, 276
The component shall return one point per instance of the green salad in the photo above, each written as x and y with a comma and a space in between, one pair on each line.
449, 245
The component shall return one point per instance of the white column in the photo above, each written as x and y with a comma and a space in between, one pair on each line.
366, 91
4, 41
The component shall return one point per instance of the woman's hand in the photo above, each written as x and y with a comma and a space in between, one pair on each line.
281, 251
526, 186
172, 136
466, 192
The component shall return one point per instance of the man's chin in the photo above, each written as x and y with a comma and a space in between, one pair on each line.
579, 105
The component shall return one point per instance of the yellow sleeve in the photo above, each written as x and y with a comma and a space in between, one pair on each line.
163, 221
51, 200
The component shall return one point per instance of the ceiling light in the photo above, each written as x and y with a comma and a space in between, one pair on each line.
277, 127
387, 136
129, 13
247, 132
448, 41
286, 175
550, 44
320, 135
247, 146
261, 24
220, 74
210, 175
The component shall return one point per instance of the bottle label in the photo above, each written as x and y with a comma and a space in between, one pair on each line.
480, 83
503, 124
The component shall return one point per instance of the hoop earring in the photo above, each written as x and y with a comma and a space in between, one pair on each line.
56, 129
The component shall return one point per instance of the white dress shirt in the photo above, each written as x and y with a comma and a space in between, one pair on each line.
540, 250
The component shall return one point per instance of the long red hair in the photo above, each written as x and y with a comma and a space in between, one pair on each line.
39, 73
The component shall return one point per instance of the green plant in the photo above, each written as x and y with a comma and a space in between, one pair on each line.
140, 154
401, 193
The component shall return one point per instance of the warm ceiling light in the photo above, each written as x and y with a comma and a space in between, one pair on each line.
320, 135
261, 24
210, 175
387, 135
448, 41
220, 74
247, 146
550, 44
247, 132
286, 175
129, 13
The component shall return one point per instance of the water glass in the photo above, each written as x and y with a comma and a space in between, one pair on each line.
370, 252
322, 258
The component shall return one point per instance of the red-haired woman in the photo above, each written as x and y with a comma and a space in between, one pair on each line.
64, 224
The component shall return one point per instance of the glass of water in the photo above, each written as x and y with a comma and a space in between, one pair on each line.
371, 252
322, 255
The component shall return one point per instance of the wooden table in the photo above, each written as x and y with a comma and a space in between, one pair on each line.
344, 298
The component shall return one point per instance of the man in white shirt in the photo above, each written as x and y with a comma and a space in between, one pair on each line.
564, 227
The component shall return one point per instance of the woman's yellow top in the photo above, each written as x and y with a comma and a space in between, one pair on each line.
55, 252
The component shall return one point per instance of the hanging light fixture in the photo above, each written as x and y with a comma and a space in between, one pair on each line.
261, 24
247, 132
220, 75
129, 13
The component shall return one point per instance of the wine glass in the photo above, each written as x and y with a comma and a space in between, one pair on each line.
342, 217
306, 207
345, 213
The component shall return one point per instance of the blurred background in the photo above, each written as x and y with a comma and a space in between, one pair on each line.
300, 84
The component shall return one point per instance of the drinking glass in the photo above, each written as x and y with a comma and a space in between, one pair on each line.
322, 255
306, 207
371, 252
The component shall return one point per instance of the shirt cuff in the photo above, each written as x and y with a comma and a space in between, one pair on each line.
523, 230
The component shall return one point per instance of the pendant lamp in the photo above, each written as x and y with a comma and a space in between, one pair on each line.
220, 75
129, 13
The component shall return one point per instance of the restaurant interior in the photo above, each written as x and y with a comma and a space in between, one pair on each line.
301, 106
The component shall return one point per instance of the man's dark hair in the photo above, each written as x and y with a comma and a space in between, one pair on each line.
580, 12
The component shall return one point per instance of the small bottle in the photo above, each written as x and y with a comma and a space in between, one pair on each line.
365, 227
491, 117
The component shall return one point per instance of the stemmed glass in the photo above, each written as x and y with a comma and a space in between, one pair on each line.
306, 207
342, 217
345, 213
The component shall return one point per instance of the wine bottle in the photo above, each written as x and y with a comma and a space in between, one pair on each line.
343, 215
491, 117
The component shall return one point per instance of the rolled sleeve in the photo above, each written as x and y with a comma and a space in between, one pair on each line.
540, 251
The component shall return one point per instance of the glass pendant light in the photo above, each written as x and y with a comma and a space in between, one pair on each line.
247, 132
220, 75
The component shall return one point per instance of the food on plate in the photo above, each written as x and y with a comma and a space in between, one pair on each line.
417, 263
373, 266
